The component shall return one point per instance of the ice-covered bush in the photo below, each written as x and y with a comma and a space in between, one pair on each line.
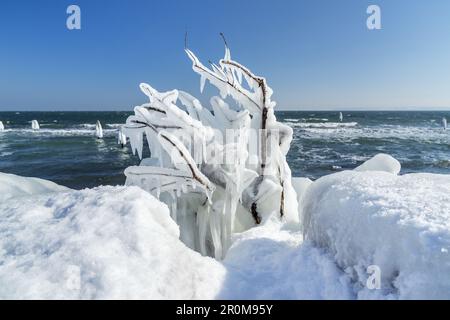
220, 169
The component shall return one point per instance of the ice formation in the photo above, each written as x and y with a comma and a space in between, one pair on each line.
219, 172
35, 125
121, 137
444, 123
381, 162
2, 127
98, 130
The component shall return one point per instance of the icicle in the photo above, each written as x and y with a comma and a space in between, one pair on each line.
184, 147
203, 215
215, 224
136, 142
173, 211
202, 83
239, 76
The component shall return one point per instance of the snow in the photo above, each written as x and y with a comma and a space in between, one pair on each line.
272, 262
15, 186
381, 162
399, 223
122, 242
103, 243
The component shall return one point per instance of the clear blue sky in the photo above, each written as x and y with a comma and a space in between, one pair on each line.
314, 53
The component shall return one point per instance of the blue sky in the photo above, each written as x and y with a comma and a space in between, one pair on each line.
316, 54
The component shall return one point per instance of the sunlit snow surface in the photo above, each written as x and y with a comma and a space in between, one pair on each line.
120, 242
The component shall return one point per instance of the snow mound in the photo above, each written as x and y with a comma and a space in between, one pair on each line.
15, 186
399, 223
273, 262
103, 243
381, 162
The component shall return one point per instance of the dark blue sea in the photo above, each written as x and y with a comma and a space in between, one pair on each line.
67, 152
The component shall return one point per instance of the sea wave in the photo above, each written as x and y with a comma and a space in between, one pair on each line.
107, 125
5, 154
323, 125
58, 132
384, 132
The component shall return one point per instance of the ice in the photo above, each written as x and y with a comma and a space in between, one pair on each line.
205, 155
301, 185
35, 125
121, 137
98, 130
400, 224
381, 162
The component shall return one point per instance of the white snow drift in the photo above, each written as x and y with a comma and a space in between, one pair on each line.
399, 223
381, 162
15, 186
97, 244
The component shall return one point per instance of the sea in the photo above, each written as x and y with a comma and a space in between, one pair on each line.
66, 151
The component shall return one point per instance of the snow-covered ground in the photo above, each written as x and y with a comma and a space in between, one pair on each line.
108, 242
401, 224
120, 242
12, 185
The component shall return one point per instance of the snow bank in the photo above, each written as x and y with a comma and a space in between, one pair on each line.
120, 242
273, 262
381, 162
399, 223
15, 186
104, 243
